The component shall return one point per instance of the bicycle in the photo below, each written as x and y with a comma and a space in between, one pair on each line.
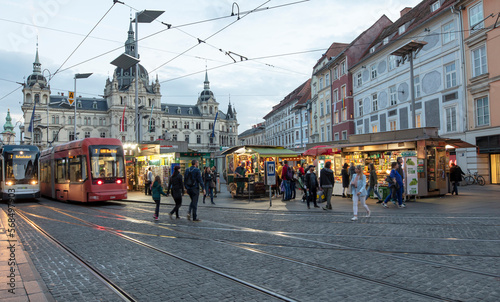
475, 178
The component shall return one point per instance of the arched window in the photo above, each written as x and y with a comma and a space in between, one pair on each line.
211, 110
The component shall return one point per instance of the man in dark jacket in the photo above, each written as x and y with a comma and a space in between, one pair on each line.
327, 181
285, 176
311, 186
455, 177
193, 186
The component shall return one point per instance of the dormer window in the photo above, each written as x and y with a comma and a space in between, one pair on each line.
372, 50
94, 105
79, 104
178, 110
386, 40
190, 111
402, 29
435, 6
166, 109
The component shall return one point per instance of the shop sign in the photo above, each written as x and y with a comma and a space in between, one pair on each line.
420, 167
408, 153
411, 175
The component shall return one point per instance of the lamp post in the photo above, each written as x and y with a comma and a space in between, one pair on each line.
78, 76
145, 16
125, 61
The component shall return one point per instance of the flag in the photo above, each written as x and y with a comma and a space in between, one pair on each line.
215, 121
32, 121
122, 125
151, 116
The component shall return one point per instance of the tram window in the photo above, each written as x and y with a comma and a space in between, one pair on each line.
77, 169
61, 170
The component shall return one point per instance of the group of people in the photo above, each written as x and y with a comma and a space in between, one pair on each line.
193, 182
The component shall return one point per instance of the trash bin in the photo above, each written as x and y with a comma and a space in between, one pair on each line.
384, 192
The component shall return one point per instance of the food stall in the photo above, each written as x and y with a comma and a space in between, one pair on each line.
320, 155
254, 158
425, 158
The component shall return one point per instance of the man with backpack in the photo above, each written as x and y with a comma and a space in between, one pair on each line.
193, 182
287, 177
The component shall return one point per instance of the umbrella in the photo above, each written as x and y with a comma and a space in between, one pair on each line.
319, 150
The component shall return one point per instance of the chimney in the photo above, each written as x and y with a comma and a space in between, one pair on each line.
405, 10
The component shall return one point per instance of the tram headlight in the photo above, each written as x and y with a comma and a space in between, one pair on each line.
9, 183
34, 182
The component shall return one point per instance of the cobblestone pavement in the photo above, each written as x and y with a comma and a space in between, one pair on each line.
395, 255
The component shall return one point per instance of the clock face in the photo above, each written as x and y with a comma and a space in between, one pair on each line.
403, 92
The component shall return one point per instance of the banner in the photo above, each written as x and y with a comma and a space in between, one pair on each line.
32, 121
411, 175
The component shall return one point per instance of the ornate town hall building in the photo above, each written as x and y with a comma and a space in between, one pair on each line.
102, 117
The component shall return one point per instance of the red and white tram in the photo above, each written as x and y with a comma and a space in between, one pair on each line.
87, 170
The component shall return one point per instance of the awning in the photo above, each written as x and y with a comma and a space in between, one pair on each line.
458, 143
274, 152
320, 150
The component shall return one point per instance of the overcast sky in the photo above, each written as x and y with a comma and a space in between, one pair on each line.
282, 44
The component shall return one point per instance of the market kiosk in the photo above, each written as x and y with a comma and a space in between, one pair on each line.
254, 158
320, 155
425, 158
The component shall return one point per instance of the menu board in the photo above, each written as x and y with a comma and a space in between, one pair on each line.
411, 175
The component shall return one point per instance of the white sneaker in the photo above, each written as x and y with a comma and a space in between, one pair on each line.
368, 214
354, 218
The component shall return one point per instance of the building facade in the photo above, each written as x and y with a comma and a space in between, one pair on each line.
253, 136
342, 118
320, 107
481, 26
280, 121
204, 126
382, 100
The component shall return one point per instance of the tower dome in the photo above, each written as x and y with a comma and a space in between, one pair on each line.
36, 76
206, 94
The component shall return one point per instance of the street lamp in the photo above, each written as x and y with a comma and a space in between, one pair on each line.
145, 16
78, 76
125, 61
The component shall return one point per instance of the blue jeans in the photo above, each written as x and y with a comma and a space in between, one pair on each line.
399, 195
210, 192
375, 192
293, 191
287, 194
194, 194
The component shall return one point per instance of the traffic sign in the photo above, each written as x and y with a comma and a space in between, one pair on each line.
71, 97
271, 173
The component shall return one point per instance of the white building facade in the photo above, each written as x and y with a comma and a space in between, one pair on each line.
381, 93
203, 125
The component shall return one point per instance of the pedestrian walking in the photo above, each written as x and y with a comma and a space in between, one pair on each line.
279, 179
208, 181
373, 182
327, 182
193, 183
455, 177
286, 176
293, 183
176, 186
149, 181
216, 175
401, 172
396, 183
345, 179
157, 191
312, 185
358, 190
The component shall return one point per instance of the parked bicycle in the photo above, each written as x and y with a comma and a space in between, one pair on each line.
474, 178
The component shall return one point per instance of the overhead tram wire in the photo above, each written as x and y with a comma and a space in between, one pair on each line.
10, 93
217, 32
114, 2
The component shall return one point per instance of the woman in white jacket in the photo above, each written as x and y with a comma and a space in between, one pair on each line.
358, 190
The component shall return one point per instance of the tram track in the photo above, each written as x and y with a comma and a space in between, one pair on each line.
115, 288
120, 292
277, 256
